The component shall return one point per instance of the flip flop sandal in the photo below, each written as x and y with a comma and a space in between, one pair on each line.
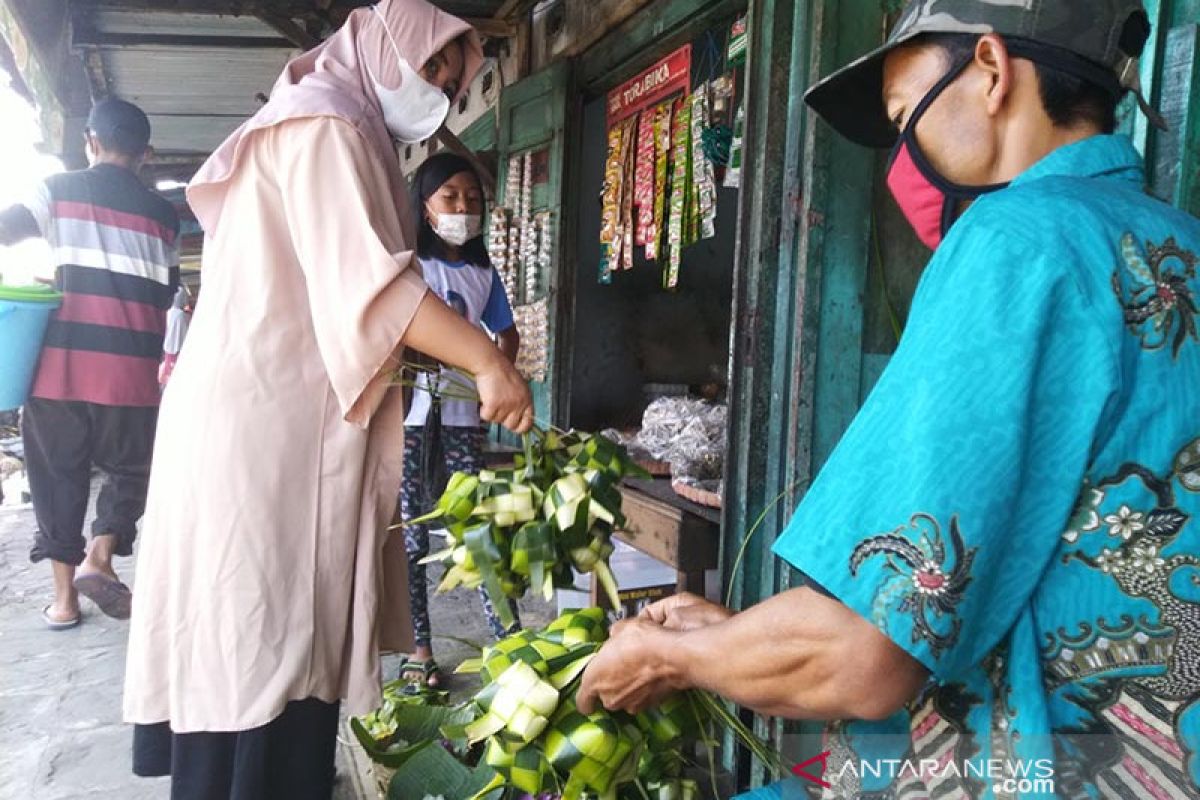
59, 624
112, 596
421, 674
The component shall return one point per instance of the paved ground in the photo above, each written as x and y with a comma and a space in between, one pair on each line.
61, 737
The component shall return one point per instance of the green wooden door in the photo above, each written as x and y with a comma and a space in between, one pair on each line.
531, 136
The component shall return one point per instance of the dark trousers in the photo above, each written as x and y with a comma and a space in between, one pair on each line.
461, 450
63, 441
289, 758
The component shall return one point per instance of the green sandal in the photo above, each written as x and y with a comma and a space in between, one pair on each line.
421, 675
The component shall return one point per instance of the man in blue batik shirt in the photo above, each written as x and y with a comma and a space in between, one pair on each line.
1004, 548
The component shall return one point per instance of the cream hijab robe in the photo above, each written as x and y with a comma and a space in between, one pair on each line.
266, 572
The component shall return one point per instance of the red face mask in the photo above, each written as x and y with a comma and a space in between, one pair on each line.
929, 201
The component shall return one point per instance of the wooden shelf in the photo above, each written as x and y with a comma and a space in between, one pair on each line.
671, 529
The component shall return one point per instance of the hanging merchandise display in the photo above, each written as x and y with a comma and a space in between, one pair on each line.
643, 188
662, 155
636, 169
521, 242
664, 159
678, 221
704, 184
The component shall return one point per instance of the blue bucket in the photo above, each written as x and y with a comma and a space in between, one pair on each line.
25, 312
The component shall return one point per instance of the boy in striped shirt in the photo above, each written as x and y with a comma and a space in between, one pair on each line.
94, 400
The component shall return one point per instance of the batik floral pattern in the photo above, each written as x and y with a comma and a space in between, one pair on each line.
1158, 303
1141, 556
929, 586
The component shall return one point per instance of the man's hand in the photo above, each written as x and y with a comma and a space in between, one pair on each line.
799, 655
684, 612
632, 671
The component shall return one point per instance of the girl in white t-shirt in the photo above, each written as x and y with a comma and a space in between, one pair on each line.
443, 434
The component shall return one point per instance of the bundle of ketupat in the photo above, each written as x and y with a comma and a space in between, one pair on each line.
522, 734
531, 525
537, 740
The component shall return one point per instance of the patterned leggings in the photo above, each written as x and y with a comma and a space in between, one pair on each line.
462, 451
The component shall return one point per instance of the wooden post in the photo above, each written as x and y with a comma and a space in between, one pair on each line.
802, 261
1175, 168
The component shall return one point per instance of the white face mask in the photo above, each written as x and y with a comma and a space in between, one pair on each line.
417, 109
457, 229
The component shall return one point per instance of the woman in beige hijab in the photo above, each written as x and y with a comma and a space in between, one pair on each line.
267, 581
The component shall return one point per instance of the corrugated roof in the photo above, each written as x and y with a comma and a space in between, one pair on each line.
165, 22
199, 75
194, 80
196, 76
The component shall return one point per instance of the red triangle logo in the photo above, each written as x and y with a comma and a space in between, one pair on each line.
800, 772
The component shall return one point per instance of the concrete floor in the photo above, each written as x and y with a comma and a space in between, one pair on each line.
61, 736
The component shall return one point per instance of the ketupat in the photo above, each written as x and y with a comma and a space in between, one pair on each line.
527, 729
531, 525
538, 741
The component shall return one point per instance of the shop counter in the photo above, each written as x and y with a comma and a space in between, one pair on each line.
673, 530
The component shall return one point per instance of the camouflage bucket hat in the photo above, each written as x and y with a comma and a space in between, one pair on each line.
1098, 40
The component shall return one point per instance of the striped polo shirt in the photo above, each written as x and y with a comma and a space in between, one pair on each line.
113, 242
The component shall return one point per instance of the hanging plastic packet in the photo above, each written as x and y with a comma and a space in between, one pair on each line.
691, 228
545, 247
736, 52
512, 196
533, 267
681, 161
720, 94
512, 184
628, 222
662, 154
643, 192
528, 232
498, 249
703, 183
718, 131
610, 203
616, 242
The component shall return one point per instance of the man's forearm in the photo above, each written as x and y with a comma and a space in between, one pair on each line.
798, 655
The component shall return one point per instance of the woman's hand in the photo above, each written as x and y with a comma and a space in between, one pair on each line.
504, 396
441, 333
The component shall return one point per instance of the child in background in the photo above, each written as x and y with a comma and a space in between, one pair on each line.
448, 202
